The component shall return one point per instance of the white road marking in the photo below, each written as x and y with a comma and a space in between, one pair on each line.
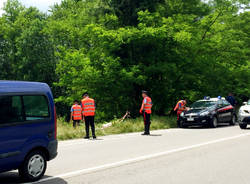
137, 159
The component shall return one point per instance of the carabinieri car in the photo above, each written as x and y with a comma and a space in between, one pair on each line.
208, 112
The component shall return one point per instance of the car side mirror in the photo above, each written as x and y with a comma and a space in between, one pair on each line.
244, 103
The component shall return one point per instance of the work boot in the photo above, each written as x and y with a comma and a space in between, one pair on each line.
147, 128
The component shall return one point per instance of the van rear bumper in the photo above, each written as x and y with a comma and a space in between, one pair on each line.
52, 149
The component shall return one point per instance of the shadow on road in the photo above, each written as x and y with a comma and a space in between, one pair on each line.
10, 177
248, 128
13, 178
54, 181
155, 135
224, 125
97, 139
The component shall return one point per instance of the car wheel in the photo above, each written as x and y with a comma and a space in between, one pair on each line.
233, 120
243, 126
180, 125
214, 122
33, 167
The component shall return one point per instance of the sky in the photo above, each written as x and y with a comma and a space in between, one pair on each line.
42, 5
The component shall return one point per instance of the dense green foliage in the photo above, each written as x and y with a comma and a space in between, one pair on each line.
115, 48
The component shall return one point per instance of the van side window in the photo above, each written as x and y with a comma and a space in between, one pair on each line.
36, 107
11, 109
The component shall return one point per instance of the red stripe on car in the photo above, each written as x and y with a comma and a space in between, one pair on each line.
226, 108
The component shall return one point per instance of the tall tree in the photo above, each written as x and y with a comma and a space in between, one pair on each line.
27, 53
127, 10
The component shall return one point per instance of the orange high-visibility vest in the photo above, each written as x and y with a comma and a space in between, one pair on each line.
77, 112
88, 107
178, 104
147, 105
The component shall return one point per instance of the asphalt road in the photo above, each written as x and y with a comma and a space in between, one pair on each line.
176, 156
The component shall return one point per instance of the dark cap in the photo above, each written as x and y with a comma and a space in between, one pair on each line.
76, 101
143, 91
85, 94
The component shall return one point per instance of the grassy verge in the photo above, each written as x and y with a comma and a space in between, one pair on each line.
66, 131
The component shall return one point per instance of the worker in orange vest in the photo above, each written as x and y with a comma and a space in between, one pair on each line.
146, 111
180, 107
88, 111
76, 113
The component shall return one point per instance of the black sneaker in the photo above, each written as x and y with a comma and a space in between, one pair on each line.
145, 133
94, 137
86, 137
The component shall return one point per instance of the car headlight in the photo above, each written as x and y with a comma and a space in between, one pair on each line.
182, 114
246, 111
243, 112
204, 113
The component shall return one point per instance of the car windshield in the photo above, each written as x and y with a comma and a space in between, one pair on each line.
202, 104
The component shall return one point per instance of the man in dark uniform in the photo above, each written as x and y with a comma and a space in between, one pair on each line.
146, 111
230, 98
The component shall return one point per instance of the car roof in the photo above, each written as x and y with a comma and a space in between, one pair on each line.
212, 99
23, 86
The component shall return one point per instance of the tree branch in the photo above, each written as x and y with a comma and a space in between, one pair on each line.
205, 33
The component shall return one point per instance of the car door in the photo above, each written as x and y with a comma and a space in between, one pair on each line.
11, 135
221, 111
229, 110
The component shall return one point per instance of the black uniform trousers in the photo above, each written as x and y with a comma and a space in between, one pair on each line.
90, 120
146, 118
76, 122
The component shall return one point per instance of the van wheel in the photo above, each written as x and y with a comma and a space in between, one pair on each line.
214, 122
33, 167
233, 120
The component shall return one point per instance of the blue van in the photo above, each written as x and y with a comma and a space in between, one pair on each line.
27, 128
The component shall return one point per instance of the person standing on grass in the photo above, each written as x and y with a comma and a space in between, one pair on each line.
76, 113
88, 111
146, 111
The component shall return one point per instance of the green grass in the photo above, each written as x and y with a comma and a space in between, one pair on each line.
66, 131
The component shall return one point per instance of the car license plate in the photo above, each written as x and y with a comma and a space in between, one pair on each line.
190, 119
